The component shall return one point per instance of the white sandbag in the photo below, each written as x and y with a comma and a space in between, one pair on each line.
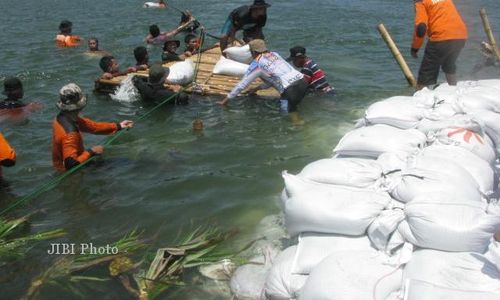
392, 161
463, 271
280, 283
181, 72
477, 100
230, 67
493, 253
494, 83
491, 123
449, 224
477, 143
381, 230
480, 170
315, 207
416, 181
417, 290
314, 247
240, 54
151, 5
374, 140
356, 172
401, 112
352, 275
460, 121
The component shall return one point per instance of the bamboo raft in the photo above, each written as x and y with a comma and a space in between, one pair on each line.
207, 83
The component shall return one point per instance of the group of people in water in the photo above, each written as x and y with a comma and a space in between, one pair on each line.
292, 77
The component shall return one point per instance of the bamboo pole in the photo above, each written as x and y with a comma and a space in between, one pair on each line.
397, 55
489, 32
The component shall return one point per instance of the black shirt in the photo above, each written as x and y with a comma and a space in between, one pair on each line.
167, 56
242, 19
9, 104
157, 93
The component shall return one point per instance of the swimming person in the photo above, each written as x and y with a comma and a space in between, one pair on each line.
312, 73
93, 44
441, 21
170, 51
251, 19
7, 154
64, 38
111, 68
192, 45
141, 58
153, 89
275, 72
13, 89
67, 141
156, 37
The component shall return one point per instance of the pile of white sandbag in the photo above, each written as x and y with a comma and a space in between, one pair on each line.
403, 210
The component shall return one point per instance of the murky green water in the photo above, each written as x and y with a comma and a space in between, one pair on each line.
160, 177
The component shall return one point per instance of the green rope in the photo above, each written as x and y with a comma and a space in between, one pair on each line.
54, 182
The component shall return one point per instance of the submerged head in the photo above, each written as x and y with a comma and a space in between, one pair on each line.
154, 30
108, 64
93, 44
141, 55
13, 88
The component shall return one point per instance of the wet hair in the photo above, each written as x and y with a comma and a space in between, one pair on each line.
94, 39
140, 53
154, 30
65, 24
105, 63
189, 37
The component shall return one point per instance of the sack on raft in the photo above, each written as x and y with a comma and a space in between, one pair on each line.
181, 72
230, 67
355, 172
446, 223
314, 207
353, 275
281, 284
374, 140
239, 54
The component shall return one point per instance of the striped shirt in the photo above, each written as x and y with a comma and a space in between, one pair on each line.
315, 76
272, 69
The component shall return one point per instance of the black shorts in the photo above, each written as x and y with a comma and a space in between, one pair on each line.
437, 55
295, 93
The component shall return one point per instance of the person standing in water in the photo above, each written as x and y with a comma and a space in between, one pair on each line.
64, 38
93, 44
67, 141
271, 68
13, 89
249, 18
447, 33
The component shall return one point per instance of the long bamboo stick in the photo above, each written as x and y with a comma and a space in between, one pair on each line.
489, 32
397, 55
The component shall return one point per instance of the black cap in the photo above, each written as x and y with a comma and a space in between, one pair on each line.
11, 84
176, 42
259, 3
157, 73
296, 51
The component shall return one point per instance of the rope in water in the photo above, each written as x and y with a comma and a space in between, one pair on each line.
108, 141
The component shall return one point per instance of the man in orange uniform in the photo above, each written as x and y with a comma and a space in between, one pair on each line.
447, 35
67, 142
7, 154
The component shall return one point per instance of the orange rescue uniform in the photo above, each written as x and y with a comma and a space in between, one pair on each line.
440, 19
7, 154
67, 141
67, 40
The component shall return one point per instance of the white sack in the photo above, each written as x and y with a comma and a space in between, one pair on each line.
418, 290
399, 111
478, 168
493, 253
356, 172
392, 161
464, 271
477, 143
181, 72
314, 247
381, 230
460, 121
230, 67
374, 140
281, 284
239, 54
353, 276
314, 207
449, 224
491, 122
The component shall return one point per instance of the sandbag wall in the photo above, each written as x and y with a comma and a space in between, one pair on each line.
405, 208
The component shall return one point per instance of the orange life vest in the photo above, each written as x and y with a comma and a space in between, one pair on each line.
7, 154
67, 40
